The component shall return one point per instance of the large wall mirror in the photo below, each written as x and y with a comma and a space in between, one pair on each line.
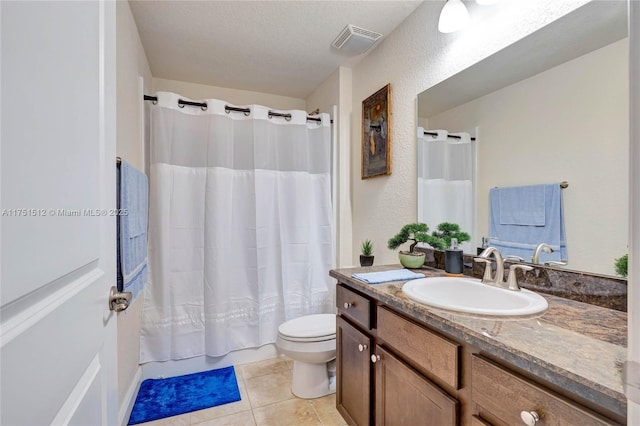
551, 108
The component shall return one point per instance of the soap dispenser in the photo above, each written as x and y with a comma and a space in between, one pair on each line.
453, 259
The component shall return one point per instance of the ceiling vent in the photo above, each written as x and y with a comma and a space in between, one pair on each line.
355, 40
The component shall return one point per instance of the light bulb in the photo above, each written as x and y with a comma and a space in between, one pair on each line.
453, 17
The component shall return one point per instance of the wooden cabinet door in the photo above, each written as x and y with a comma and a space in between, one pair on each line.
353, 391
404, 397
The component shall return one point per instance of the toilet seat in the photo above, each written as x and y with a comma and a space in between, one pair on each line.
310, 328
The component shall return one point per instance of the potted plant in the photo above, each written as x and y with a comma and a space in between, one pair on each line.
418, 233
621, 265
446, 232
366, 258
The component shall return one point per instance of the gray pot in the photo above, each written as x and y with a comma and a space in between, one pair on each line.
366, 260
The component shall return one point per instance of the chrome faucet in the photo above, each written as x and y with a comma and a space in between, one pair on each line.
539, 248
512, 280
484, 257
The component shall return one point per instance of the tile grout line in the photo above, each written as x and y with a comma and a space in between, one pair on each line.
316, 412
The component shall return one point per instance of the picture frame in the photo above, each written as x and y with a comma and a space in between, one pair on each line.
376, 134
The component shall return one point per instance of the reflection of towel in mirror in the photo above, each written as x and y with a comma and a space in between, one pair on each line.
522, 205
516, 226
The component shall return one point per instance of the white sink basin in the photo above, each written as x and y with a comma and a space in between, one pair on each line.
471, 296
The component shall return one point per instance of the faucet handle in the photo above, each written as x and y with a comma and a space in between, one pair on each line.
512, 281
514, 257
555, 263
486, 278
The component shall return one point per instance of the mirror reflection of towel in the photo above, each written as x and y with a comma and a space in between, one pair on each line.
522, 205
521, 240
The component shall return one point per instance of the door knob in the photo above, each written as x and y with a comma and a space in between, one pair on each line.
119, 301
347, 305
362, 347
530, 418
375, 358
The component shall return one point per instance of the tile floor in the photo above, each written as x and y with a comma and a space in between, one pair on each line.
265, 389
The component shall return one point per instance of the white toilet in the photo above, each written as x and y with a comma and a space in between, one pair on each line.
311, 342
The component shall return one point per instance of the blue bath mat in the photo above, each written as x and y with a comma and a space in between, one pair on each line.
160, 398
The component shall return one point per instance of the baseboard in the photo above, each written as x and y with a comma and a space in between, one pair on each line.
130, 398
156, 370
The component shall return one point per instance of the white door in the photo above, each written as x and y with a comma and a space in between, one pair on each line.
57, 335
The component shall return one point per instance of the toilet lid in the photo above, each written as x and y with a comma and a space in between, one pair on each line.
309, 326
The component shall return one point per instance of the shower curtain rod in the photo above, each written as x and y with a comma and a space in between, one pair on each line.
227, 108
449, 136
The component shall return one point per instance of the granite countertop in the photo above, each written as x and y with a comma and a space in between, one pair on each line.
574, 345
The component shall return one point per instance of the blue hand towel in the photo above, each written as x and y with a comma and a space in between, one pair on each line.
386, 276
132, 229
522, 205
521, 240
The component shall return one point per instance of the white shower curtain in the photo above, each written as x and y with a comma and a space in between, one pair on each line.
240, 235
446, 181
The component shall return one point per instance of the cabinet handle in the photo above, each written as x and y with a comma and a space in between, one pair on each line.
375, 358
347, 305
362, 347
529, 418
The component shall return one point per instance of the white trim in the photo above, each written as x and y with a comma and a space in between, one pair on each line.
334, 184
130, 397
633, 408
78, 394
35, 312
141, 123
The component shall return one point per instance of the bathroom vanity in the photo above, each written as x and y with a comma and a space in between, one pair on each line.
401, 362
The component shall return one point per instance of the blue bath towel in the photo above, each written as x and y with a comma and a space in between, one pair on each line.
132, 229
522, 239
522, 205
386, 276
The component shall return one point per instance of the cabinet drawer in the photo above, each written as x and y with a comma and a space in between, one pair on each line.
502, 395
354, 306
431, 354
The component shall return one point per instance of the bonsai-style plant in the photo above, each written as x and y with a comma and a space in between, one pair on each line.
622, 265
418, 233
446, 232
366, 258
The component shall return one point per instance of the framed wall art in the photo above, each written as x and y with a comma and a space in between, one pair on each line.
376, 134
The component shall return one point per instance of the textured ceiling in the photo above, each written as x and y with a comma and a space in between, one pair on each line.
277, 47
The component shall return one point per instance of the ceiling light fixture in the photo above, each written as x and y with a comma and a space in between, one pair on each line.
454, 16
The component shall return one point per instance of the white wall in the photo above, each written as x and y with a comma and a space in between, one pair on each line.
413, 58
568, 123
336, 90
237, 97
131, 65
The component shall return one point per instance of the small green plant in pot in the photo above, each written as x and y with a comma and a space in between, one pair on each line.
622, 265
366, 258
446, 232
418, 233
